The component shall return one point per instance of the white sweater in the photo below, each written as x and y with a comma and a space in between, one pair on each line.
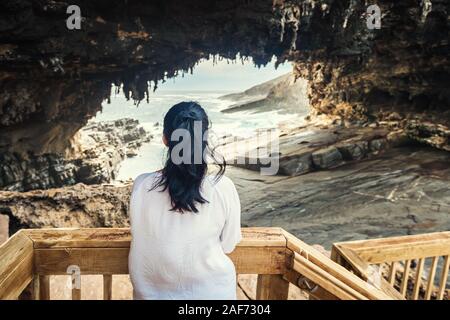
182, 256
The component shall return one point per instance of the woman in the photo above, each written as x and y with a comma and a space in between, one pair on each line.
184, 221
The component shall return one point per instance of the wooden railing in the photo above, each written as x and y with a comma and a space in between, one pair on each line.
409, 264
30, 257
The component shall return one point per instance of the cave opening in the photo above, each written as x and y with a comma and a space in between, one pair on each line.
239, 97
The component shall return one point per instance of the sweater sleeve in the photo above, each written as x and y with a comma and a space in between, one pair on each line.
231, 232
134, 198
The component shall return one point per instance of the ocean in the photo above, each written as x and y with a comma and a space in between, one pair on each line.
151, 156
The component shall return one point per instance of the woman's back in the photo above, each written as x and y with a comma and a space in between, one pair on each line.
182, 255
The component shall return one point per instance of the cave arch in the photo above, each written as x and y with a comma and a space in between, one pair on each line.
52, 80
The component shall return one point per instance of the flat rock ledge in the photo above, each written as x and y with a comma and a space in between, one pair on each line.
80, 205
311, 147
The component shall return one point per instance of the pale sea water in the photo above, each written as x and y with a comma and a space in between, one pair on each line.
151, 156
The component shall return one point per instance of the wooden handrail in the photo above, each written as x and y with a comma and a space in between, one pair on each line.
401, 248
30, 257
105, 251
398, 254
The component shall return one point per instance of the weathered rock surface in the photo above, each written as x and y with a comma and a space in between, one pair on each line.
310, 147
284, 94
326, 158
401, 191
75, 206
101, 148
104, 146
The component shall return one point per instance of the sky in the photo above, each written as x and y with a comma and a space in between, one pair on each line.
223, 76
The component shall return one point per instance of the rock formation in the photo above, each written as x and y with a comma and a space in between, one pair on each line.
398, 73
285, 94
75, 206
52, 79
101, 147
310, 147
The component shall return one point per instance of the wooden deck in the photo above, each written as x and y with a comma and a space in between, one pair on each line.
30, 257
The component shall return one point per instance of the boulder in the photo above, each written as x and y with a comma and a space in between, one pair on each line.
377, 145
103, 146
296, 164
327, 158
354, 151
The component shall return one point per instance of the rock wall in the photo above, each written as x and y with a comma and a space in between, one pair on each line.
75, 206
101, 148
399, 73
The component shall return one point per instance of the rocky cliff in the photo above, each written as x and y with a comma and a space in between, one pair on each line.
75, 206
398, 73
285, 94
52, 79
101, 147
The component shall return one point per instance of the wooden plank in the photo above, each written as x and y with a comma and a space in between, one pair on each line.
401, 248
121, 237
107, 286
369, 244
272, 287
317, 294
362, 269
443, 281
44, 287
392, 273
259, 260
404, 284
333, 268
247, 260
418, 279
76, 294
16, 265
89, 260
405, 252
320, 293
430, 284
80, 237
325, 280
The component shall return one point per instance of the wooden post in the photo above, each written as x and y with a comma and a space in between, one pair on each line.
418, 281
404, 284
272, 287
76, 287
44, 287
430, 284
392, 273
444, 276
107, 286
76, 294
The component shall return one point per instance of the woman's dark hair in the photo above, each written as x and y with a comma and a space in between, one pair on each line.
186, 164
